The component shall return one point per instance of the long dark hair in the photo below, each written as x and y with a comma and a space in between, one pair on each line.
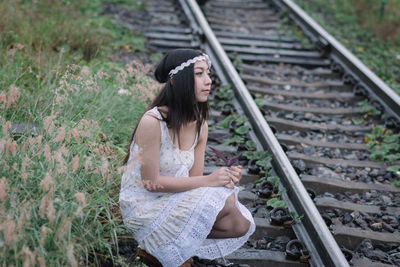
177, 94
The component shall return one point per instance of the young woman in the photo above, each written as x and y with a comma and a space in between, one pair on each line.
173, 210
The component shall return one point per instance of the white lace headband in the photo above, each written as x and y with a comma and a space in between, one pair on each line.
190, 61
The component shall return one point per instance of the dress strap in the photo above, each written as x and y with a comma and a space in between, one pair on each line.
155, 112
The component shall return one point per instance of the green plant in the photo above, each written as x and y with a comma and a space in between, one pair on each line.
277, 201
368, 109
293, 30
264, 158
259, 102
395, 169
239, 120
260, 180
237, 61
383, 145
357, 121
295, 218
225, 93
156, 57
250, 145
275, 180
242, 130
249, 155
264, 162
224, 103
234, 141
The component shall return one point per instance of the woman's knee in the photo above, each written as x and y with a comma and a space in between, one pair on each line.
239, 225
242, 226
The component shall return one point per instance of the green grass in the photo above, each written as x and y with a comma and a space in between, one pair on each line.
370, 29
59, 186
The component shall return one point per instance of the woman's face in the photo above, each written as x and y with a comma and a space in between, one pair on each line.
202, 81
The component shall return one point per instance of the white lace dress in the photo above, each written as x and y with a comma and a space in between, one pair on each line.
174, 226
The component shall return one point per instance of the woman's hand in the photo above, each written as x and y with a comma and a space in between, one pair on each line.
152, 186
219, 177
227, 177
236, 173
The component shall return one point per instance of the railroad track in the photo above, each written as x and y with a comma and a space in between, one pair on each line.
302, 105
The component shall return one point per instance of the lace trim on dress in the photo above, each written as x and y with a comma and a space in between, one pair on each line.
226, 246
191, 239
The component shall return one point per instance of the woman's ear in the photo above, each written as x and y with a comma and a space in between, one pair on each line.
172, 80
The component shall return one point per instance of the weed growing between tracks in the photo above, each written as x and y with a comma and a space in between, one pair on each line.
383, 143
66, 114
290, 27
368, 28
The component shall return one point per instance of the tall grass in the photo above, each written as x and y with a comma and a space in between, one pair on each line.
59, 184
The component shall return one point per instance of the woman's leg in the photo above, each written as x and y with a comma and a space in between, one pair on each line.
230, 221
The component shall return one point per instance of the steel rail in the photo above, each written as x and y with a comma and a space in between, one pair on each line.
312, 230
363, 77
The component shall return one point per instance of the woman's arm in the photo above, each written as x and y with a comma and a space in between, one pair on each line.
148, 138
199, 150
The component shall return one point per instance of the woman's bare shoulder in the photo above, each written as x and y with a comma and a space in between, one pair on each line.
148, 130
204, 133
149, 121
